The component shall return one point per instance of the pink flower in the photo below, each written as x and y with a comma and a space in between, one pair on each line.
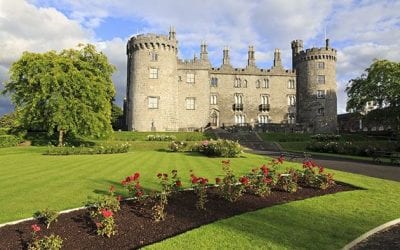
106, 213
35, 228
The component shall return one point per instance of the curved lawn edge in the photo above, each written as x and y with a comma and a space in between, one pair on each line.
371, 232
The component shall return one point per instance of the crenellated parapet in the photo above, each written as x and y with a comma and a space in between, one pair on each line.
152, 42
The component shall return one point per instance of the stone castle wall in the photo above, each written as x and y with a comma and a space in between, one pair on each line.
172, 88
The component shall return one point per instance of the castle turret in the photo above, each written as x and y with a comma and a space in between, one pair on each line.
225, 58
251, 61
316, 86
277, 58
203, 52
151, 91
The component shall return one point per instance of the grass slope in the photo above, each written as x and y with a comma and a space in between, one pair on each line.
30, 181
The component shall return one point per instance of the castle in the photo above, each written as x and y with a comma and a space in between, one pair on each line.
165, 93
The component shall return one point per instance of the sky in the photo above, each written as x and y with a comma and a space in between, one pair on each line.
361, 31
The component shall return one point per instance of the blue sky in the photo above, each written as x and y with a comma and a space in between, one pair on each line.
359, 30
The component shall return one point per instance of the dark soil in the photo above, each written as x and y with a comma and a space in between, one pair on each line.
386, 239
136, 227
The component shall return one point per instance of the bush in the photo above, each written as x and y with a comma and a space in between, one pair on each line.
326, 137
108, 149
46, 216
161, 138
219, 148
9, 141
176, 146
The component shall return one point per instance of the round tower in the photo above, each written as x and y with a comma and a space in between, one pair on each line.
151, 82
316, 87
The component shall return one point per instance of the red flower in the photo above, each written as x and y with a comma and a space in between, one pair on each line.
203, 181
35, 228
137, 186
159, 175
265, 170
123, 182
321, 169
280, 159
128, 179
217, 180
178, 183
267, 180
244, 180
106, 213
139, 193
194, 179
112, 189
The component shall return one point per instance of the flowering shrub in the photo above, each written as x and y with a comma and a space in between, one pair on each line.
167, 187
288, 181
261, 180
199, 185
133, 185
53, 242
161, 138
106, 226
315, 176
229, 188
106, 149
219, 148
104, 202
176, 146
46, 216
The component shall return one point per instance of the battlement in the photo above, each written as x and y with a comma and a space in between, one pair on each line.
152, 41
316, 54
253, 71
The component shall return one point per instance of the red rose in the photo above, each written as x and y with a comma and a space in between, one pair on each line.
35, 228
267, 180
123, 182
203, 181
217, 180
194, 179
106, 213
178, 183
244, 180
321, 169
136, 176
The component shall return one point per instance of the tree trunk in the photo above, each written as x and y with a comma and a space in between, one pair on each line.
60, 138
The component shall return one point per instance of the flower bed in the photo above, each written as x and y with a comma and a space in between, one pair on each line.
107, 149
108, 223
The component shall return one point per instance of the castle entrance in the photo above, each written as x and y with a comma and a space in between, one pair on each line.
214, 117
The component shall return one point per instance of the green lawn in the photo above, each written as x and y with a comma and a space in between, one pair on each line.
30, 181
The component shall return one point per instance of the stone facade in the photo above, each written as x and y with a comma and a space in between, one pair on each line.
165, 93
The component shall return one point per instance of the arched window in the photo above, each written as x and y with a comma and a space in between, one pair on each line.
265, 84
291, 100
244, 85
258, 84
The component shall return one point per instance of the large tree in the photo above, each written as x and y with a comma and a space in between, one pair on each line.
65, 92
380, 83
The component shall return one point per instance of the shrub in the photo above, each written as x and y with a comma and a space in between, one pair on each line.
161, 138
176, 146
46, 216
288, 181
315, 176
52, 242
9, 141
261, 180
167, 187
107, 149
132, 183
219, 148
229, 188
199, 185
106, 226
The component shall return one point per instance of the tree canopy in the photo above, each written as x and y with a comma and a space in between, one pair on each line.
65, 92
380, 83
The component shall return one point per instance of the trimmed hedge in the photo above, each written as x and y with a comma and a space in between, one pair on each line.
108, 149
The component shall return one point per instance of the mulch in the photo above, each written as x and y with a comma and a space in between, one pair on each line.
385, 239
135, 225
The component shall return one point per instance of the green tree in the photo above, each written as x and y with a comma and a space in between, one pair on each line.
116, 116
379, 83
65, 92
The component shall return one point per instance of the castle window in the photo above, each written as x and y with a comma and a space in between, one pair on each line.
214, 82
153, 73
265, 84
190, 78
321, 65
238, 98
264, 99
263, 119
190, 103
153, 102
239, 120
291, 100
258, 84
321, 79
213, 99
153, 56
321, 111
320, 93
237, 83
244, 84
291, 84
